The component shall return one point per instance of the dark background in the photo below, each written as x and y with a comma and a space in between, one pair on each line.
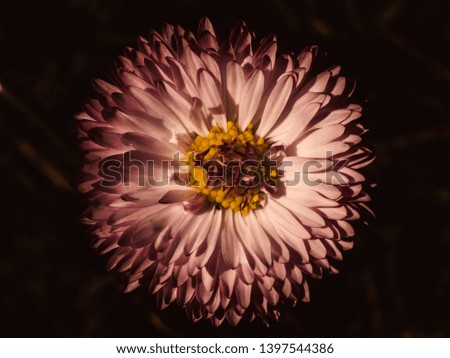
395, 283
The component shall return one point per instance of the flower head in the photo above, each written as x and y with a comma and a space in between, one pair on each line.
221, 174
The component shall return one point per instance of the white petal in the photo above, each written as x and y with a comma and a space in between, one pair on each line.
213, 236
210, 96
200, 117
305, 215
267, 47
279, 271
228, 241
279, 213
211, 65
306, 57
277, 242
328, 150
296, 275
192, 62
320, 137
206, 25
234, 83
275, 104
308, 197
320, 82
288, 228
316, 248
259, 240
177, 195
336, 213
155, 106
250, 98
197, 231
181, 78
339, 86
292, 127
248, 241
243, 294
338, 117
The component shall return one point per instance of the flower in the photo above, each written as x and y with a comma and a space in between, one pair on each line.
222, 175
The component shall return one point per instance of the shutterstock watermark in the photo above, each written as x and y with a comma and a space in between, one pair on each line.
127, 170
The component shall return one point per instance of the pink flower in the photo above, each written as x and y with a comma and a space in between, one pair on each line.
220, 174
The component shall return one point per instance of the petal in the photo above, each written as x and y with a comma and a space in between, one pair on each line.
275, 104
234, 83
243, 294
210, 96
198, 231
320, 137
206, 25
229, 243
300, 116
250, 98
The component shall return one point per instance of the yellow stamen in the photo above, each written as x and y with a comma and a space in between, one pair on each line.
217, 145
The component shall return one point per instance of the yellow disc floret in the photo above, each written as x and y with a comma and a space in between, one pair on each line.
225, 166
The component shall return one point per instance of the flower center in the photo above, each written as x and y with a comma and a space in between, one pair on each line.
231, 168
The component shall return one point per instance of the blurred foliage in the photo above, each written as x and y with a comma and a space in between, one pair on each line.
395, 283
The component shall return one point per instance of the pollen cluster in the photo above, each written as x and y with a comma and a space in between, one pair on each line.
227, 166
